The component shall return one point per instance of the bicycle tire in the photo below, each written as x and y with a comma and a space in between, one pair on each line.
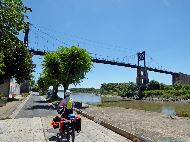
73, 134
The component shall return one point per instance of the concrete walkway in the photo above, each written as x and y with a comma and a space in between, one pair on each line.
22, 130
38, 129
91, 132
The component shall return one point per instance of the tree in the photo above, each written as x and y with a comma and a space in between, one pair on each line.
153, 85
51, 71
15, 60
12, 17
177, 86
66, 66
42, 84
75, 62
32, 81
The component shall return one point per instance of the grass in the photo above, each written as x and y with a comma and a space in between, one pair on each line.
182, 109
5, 118
25, 94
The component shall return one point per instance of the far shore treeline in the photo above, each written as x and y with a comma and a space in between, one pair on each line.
153, 89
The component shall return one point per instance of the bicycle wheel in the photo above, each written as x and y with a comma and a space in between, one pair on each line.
73, 134
68, 137
68, 134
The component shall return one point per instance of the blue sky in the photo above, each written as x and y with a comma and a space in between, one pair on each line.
115, 29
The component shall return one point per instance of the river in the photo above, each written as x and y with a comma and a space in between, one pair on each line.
84, 97
162, 107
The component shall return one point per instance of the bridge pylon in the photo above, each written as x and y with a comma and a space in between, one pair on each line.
142, 73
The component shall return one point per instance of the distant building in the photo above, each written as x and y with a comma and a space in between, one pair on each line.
10, 88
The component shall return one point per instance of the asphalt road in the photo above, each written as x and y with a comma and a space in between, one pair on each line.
36, 106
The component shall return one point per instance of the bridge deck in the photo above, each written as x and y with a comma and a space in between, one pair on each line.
132, 66
37, 52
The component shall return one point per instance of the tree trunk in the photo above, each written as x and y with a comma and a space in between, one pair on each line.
55, 90
66, 86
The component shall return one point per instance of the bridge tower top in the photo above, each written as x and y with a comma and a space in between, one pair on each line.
141, 57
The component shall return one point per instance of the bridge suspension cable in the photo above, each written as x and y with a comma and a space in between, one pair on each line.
160, 67
83, 41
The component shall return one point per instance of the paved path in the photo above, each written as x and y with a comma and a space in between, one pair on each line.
91, 132
22, 130
36, 106
39, 130
33, 124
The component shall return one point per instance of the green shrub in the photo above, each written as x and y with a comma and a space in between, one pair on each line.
115, 93
187, 96
183, 114
5, 118
1, 95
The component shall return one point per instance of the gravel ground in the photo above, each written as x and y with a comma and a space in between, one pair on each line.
150, 125
91, 132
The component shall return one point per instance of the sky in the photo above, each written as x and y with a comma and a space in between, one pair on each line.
115, 29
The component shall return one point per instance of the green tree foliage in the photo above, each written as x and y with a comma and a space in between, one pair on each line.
153, 90
35, 88
51, 71
16, 58
75, 62
66, 66
177, 86
153, 85
84, 90
42, 84
121, 89
32, 81
165, 87
12, 17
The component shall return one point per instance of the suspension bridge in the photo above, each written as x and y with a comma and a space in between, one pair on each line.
142, 70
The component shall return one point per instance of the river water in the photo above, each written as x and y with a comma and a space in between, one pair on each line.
83, 97
168, 110
94, 99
